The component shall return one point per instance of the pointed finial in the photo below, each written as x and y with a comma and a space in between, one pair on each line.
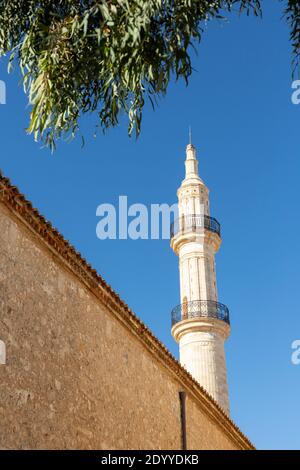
190, 135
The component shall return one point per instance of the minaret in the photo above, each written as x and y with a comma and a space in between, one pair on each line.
200, 324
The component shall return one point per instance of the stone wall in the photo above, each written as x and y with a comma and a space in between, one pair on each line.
76, 375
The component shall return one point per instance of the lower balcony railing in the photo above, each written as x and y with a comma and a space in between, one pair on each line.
200, 309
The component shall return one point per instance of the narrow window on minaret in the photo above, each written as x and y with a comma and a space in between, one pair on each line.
184, 307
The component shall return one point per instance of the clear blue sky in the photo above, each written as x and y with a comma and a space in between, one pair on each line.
247, 135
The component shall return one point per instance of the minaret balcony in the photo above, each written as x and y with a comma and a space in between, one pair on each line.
200, 309
194, 223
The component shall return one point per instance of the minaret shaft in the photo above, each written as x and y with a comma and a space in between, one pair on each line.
197, 273
202, 324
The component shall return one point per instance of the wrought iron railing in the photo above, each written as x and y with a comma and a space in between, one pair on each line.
194, 223
200, 309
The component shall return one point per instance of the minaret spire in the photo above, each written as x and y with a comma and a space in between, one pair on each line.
191, 162
200, 324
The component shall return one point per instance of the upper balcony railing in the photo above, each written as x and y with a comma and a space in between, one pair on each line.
200, 309
194, 223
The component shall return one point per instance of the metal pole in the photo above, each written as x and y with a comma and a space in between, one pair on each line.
182, 398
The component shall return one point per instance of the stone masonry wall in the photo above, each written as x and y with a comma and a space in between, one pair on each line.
75, 376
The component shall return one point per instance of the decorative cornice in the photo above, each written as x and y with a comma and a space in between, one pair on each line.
25, 212
204, 324
210, 239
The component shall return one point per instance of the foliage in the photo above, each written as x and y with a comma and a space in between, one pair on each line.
106, 56
292, 13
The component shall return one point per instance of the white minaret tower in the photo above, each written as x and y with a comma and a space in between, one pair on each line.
200, 324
